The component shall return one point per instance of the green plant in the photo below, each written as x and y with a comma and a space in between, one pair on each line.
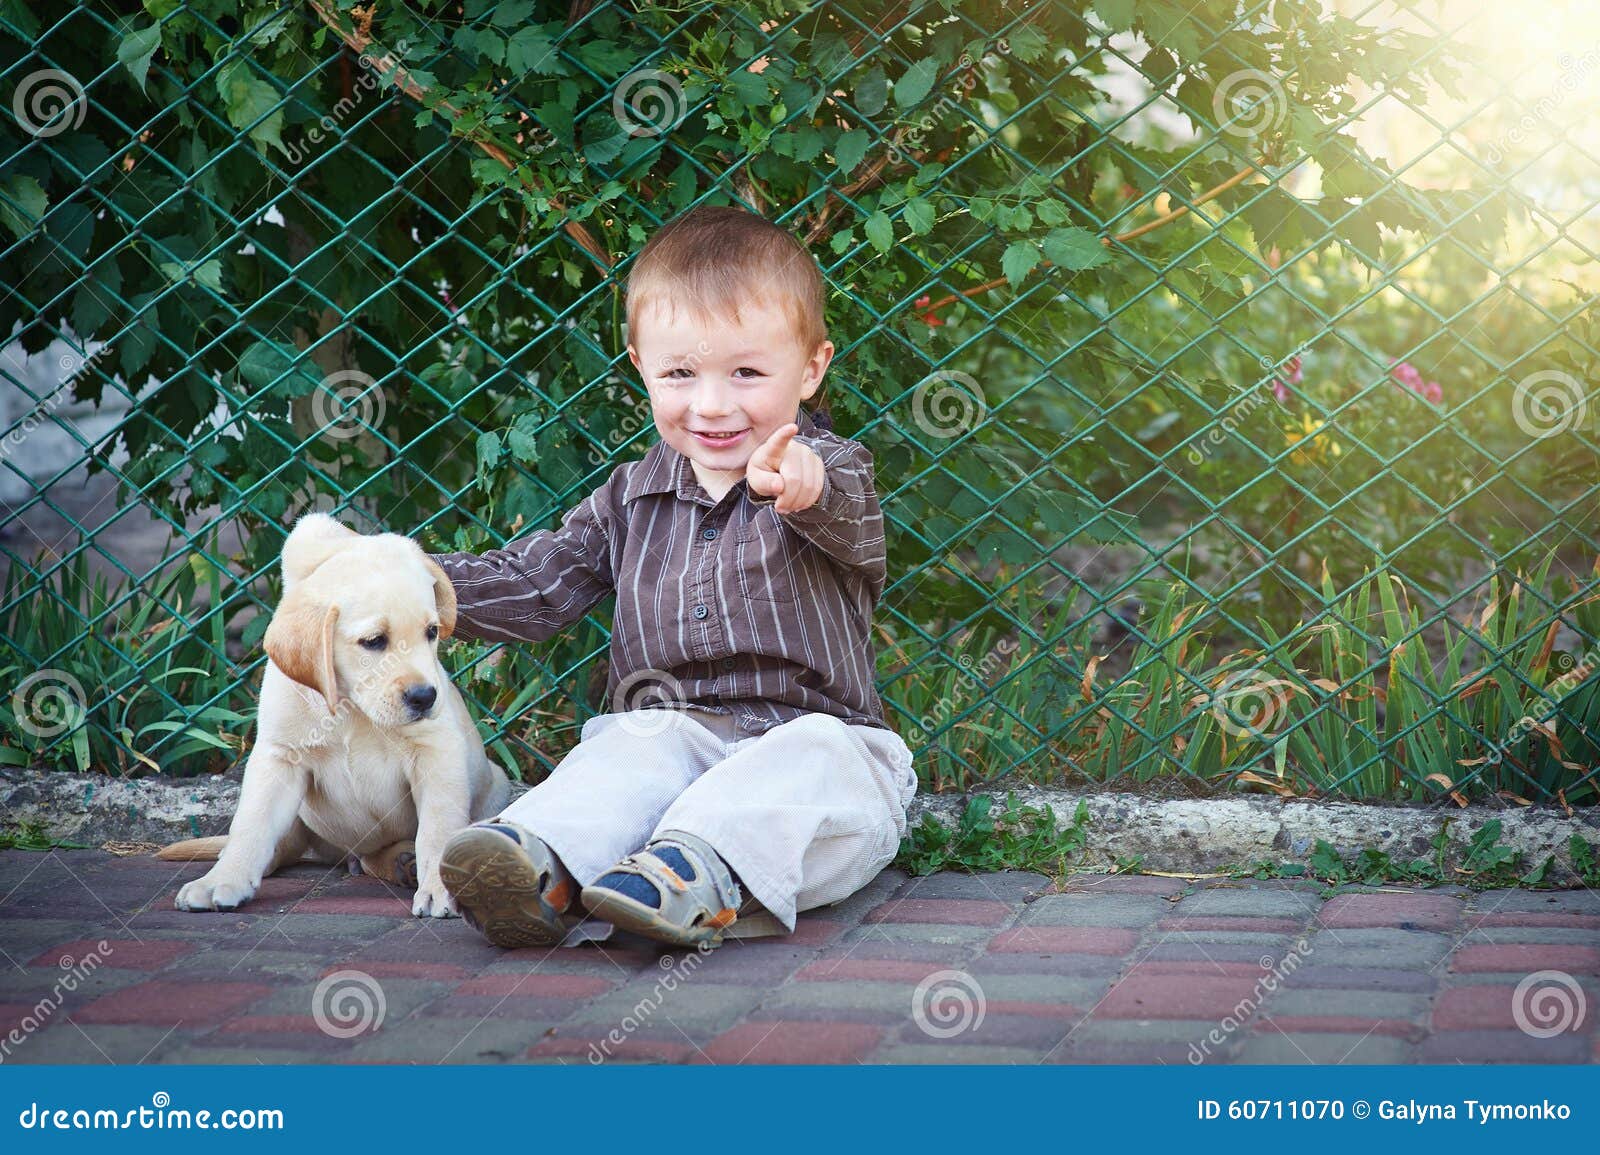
1017, 838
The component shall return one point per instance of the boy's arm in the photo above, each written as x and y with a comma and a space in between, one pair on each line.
845, 522
537, 585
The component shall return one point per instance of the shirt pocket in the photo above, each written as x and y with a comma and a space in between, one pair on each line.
770, 568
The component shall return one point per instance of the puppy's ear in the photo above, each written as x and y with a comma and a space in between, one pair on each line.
299, 640
315, 538
444, 596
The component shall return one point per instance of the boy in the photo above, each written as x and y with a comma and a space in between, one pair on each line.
747, 750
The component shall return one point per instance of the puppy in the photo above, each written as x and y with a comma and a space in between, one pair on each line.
364, 747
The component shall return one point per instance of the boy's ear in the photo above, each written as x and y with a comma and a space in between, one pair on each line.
633, 355
816, 369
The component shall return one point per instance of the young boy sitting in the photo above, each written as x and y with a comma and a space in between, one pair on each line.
747, 748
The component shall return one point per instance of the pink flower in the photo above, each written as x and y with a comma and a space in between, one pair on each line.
1434, 392
1295, 376
1280, 391
1280, 387
1407, 374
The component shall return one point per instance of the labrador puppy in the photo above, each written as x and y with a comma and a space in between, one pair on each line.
364, 747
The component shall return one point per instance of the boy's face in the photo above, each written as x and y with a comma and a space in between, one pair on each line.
741, 381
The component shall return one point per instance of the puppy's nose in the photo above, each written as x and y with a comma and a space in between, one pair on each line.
419, 699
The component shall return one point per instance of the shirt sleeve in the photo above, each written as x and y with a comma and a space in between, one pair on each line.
538, 585
846, 522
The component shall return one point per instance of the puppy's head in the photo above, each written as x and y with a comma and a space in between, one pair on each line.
364, 623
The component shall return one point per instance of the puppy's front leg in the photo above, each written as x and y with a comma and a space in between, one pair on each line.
269, 802
443, 797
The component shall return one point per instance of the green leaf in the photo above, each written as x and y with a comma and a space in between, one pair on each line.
1020, 259
136, 50
919, 215
251, 101
873, 92
207, 273
916, 83
488, 454
530, 50
850, 148
280, 368
880, 231
510, 13
1075, 249
1118, 14
22, 205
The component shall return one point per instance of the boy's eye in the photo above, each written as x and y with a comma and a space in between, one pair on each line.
678, 374
375, 642
747, 369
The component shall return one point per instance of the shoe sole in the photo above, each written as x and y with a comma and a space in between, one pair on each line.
497, 890
629, 914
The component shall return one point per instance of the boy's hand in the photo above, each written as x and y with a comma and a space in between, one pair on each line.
786, 470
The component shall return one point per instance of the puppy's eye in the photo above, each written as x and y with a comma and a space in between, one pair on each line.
375, 642
433, 632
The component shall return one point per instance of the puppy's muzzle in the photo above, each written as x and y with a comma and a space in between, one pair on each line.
419, 699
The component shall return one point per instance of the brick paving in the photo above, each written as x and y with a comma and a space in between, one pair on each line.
997, 968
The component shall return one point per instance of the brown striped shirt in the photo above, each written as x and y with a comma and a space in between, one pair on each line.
725, 604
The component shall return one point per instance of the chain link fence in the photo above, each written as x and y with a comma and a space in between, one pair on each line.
1229, 367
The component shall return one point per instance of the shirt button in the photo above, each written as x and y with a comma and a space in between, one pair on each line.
700, 611
727, 663
708, 534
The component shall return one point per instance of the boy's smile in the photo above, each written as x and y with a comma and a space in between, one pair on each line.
720, 388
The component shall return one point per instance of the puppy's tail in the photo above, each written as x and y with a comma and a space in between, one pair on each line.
194, 849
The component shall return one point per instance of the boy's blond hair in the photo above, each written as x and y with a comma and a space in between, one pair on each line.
714, 257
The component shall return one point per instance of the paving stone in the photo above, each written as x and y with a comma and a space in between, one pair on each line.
1489, 1007
1124, 884
1007, 886
420, 1040
1474, 920
878, 1001
1069, 966
171, 1003
100, 1043
885, 948
1372, 1003
120, 954
1361, 979
917, 933
793, 1042
1278, 926
1545, 902
944, 911
929, 1052
1532, 934
1378, 947
599, 1050
1064, 940
1224, 937
1277, 1049
1407, 911
1196, 997
1340, 1024
696, 1009
1130, 911
1503, 1047
1522, 960
1258, 902
996, 1028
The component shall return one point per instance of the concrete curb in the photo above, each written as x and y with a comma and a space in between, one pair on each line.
1180, 835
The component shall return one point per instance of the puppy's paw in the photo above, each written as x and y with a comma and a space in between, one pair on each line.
433, 901
209, 892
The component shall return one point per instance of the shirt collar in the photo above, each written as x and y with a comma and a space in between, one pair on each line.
664, 470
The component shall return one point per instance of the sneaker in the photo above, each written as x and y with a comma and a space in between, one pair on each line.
676, 890
509, 886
